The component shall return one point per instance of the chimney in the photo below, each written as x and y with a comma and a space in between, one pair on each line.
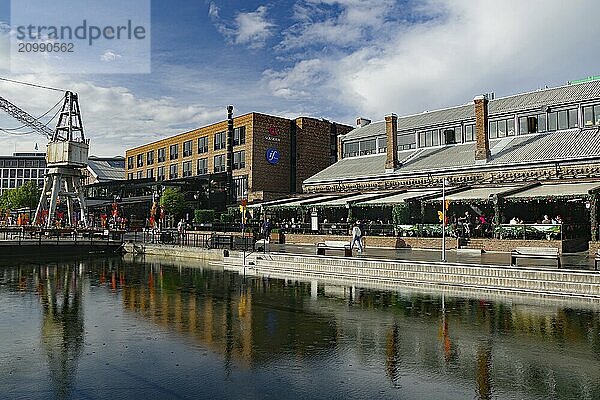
340, 147
360, 122
482, 147
391, 132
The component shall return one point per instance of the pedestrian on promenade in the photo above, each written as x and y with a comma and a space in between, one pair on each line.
356, 237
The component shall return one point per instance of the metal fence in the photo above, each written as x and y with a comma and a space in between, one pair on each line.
213, 240
32, 235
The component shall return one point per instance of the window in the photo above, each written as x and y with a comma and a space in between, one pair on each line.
5, 173
130, 162
532, 124
239, 159
187, 148
469, 133
350, 149
27, 173
187, 169
1, 163
19, 173
501, 128
140, 160
160, 174
150, 173
162, 154
220, 139
382, 144
34, 173
591, 115
406, 141
429, 138
219, 165
21, 163
449, 136
19, 182
173, 152
202, 168
130, 176
140, 174
4, 183
12, 184
28, 163
240, 186
368, 147
150, 157
41, 173
13, 173
173, 171
239, 135
563, 119
203, 145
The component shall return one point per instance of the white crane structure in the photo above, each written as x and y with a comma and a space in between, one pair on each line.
67, 154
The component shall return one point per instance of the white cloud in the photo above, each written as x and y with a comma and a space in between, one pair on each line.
109, 56
439, 54
250, 28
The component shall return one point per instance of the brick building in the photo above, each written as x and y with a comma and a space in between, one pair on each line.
271, 156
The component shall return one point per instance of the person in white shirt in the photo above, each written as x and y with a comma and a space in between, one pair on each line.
356, 236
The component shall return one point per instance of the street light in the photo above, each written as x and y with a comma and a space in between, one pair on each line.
444, 183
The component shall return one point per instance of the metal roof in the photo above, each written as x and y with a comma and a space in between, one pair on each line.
525, 102
568, 145
398, 198
559, 189
295, 202
107, 169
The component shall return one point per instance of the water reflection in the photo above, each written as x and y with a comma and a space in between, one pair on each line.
299, 339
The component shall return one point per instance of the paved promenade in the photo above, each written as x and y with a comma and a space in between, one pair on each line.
569, 261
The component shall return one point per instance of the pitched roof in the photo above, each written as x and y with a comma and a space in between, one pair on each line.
107, 169
530, 101
571, 144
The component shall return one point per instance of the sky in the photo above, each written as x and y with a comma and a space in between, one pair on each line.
333, 59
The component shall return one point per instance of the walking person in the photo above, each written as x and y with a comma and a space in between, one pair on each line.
356, 237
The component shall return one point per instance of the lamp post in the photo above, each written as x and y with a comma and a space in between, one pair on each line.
444, 182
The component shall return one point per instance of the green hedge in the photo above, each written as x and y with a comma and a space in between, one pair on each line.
204, 216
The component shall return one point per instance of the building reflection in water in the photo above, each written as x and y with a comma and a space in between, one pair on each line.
62, 330
491, 347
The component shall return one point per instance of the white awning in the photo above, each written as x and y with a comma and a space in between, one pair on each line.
482, 194
398, 198
556, 190
305, 201
346, 201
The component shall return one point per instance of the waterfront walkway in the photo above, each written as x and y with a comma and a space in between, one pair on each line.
569, 261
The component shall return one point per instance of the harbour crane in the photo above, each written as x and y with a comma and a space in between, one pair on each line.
66, 155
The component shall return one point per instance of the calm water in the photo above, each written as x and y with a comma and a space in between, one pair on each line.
113, 329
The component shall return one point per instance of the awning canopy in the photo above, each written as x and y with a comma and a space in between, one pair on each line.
300, 202
478, 194
398, 198
580, 189
346, 201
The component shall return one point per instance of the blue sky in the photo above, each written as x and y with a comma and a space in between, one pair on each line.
334, 59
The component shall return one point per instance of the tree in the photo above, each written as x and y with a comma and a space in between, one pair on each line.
26, 196
173, 201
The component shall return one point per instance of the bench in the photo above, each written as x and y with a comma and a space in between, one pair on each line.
597, 260
334, 245
550, 253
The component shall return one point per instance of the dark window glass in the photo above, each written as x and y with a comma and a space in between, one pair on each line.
203, 145
162, 154
239, 159
469, 133
422, 139
588, 116
27, 173
350, 149
187, 148
140, 160
523, 125
160, 173
150, 157
34, 173
13, 173
239, 135
187, 168
510, 127
493, 129
130, 176
502, 128
219, 163
173, 171
573, 118
19, 173
449, 136
382, 144
202, 166
140, 174
552, 121
149, 173
368, 146
597, 115
130, 162
220, 140
563, 119
542, 125
174, 152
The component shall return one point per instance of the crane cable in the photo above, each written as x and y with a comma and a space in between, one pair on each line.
32, 84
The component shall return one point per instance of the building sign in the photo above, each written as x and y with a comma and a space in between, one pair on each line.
273, 135
273, 156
